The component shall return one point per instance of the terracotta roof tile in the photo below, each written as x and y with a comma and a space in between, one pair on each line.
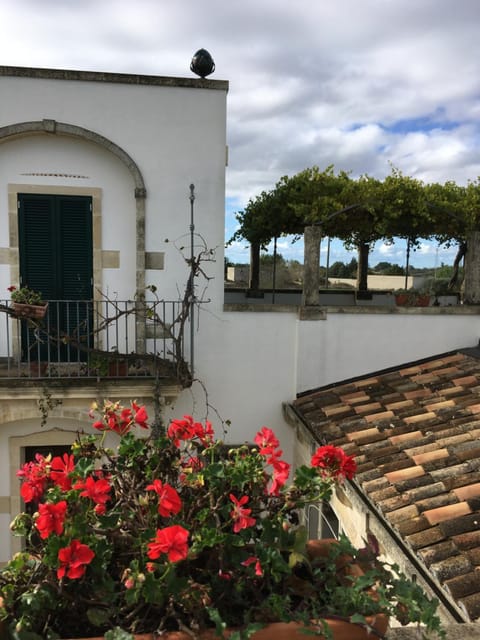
471, 605
375, 484
414, 483
415, 432
468, 454
466, 381
425, 538
463, 524
404, 474
413, 525
428, 456
417, 394
367, 382
399, 404
463, 585
474, 408
443, 404
474, 556
431, 445
384, 494
434, 502
468, 540
411, 435
404, 513
367, 408
337, 410
395, 502
469, 491
427, 491
420, 417
447, 512
409, 371
353, 398
376, 417
438, 552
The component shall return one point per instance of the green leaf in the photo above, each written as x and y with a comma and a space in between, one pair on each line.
118, 634
98, 616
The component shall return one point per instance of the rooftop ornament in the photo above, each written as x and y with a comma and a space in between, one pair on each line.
202, 63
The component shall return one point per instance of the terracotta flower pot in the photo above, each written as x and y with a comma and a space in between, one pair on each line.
341, 629
33, 311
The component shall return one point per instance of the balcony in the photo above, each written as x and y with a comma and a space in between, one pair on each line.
85, 341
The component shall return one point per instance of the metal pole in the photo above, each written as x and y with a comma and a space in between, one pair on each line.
274, 271
407, 264
328, 263
192, 277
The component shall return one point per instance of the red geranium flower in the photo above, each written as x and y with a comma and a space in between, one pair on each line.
204, 433
51, 518
172, 541
334, 462
96, 490
61, 467
181, 430
35, 475
169, 501
281, 471
140, 416
241, 516
258, 566
266, 440
74, 559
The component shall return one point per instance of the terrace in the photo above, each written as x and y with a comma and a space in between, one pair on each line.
85, 340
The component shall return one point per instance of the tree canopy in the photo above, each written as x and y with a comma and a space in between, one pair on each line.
360, 211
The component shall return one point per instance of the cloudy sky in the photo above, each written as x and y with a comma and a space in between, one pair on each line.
361, 84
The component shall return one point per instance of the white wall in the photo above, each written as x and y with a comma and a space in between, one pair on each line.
176, 136
346, 344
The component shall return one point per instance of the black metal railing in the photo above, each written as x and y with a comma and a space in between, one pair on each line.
93, 339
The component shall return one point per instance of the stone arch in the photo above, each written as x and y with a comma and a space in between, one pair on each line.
52, 127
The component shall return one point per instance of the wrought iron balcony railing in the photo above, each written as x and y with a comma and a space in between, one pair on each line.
93, 339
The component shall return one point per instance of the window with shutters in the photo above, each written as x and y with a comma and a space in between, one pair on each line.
56, 258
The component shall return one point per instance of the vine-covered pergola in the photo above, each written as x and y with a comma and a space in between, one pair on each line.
360, 211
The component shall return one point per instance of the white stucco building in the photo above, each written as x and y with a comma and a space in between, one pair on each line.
95, 175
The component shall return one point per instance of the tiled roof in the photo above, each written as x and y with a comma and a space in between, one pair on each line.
415, 432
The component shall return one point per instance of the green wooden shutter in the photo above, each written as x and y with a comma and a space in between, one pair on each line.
74, 224
38, 263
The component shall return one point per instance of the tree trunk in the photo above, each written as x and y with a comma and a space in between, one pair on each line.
471, 281
362, 275
254, 284
311, 264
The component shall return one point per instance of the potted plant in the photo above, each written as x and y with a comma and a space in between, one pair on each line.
27, 303
411, 298
181, 534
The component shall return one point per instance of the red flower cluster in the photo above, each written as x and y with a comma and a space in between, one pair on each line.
35, 477
50, 518
60, 471
241, 515
169, 502
334, 462
74, 559
187, 429
172, 541
268, 443
120, 419
97, 490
